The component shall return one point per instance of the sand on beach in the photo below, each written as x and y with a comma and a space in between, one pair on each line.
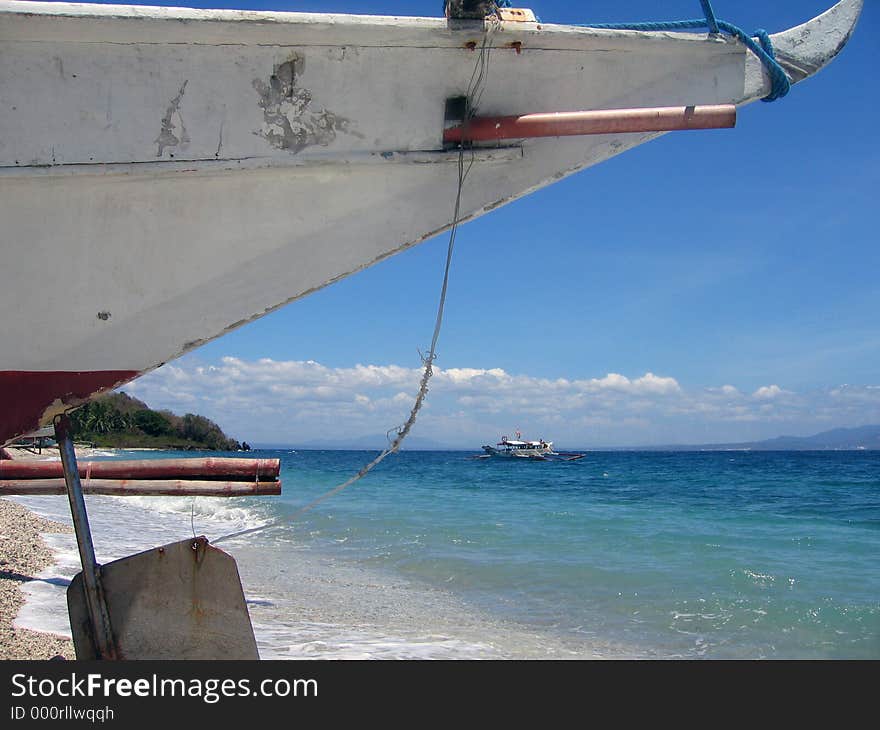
51, 453
23, 554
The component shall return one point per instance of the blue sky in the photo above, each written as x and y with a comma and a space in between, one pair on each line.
708, 286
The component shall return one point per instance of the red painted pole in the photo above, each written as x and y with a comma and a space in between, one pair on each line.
143, 487
229, 469
605, 121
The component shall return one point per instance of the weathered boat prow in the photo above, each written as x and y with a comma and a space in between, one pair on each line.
169, 174
806, 49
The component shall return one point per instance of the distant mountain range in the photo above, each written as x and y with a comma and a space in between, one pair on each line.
838, 439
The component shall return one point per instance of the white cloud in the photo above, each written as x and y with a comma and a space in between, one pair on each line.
463, 375
728, 390
768, 392
299, 401
647, 383
650, 383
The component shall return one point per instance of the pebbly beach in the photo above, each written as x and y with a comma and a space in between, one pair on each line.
23, 554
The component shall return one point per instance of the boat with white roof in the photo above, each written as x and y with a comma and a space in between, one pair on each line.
517, 448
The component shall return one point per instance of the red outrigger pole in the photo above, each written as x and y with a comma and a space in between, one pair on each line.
229, 469
206, 477
605, 121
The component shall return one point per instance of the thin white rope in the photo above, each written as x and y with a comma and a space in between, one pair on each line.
476, 86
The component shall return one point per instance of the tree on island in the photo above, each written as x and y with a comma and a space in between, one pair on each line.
119, 421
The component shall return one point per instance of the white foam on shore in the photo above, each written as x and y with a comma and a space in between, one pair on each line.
313, 640
327, 606
304, 604
45, 607
120, 526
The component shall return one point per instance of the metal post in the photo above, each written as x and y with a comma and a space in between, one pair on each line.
99, 616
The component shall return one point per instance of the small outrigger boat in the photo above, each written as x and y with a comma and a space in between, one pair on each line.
539, 450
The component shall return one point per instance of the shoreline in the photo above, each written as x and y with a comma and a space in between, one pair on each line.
309, 617
51, 453
381, 576
23, 555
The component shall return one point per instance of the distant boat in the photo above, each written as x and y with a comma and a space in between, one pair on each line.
539, 450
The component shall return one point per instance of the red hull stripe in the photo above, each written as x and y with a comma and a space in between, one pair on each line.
26, 396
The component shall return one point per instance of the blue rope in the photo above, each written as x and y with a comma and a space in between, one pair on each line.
762, 48
710, 16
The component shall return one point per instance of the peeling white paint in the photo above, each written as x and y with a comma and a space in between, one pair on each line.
173, 131
289, 121
270, 194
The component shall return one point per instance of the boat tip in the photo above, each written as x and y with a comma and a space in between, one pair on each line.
805, 49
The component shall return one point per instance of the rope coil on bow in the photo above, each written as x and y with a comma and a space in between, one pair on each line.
780, 84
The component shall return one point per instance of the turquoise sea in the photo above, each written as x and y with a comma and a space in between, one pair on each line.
733, 555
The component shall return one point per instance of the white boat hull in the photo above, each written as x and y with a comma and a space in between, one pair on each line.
167, 175
536, 454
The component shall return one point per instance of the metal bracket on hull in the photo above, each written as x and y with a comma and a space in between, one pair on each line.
96, 603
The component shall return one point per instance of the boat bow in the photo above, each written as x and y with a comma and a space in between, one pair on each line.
806, 49
188, 171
